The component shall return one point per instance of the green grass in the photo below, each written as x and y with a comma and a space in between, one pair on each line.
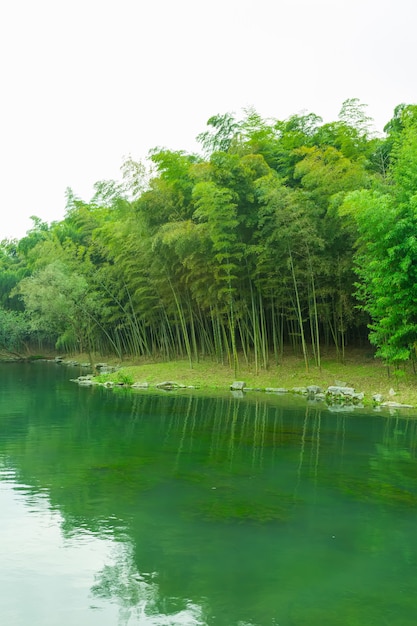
360, 370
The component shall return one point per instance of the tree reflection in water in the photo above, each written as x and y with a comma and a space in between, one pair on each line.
138, 596
241, 511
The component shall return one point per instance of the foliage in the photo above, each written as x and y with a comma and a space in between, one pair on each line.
387, 251
14, 330
59, 301
124, 378
237, 253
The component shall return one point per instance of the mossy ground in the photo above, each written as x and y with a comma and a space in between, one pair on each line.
359, 370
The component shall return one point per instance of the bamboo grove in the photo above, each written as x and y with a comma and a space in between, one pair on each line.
293, 234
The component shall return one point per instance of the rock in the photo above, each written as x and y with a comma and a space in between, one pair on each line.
140, 386
391, 392
300, 390
168, 385
84, 380
338, 390
313, 389
343, 396
276, 390
378, 398
104, 368
237, 385
397, 405
108, 369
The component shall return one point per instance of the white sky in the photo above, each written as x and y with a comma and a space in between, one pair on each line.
84, 83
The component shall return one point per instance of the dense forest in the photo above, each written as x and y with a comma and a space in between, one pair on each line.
292, 234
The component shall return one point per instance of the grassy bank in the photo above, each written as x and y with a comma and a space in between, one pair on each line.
359, 370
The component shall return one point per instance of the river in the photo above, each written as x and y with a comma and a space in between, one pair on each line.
122, 508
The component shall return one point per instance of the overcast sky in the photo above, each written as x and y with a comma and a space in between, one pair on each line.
85, 83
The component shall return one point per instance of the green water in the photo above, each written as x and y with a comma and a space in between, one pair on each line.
122, 508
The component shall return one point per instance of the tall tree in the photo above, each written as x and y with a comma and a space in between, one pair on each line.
387, 249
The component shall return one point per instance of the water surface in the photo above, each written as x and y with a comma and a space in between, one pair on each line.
137, 508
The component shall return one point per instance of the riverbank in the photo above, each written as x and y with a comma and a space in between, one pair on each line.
360, 370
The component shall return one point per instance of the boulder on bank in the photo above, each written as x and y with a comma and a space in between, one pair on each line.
397, 405
377, 398
300, 390
343, 395
314, 390
237, 385
104, 368
338, 390
169, 385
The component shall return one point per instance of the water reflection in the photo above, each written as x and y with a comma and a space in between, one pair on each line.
138, 596
42, 563
42, 573
170, 509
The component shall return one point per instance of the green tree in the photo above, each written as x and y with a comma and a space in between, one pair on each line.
60, 303
386, 259
14, 332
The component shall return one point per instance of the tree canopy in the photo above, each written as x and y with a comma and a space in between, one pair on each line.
281, 233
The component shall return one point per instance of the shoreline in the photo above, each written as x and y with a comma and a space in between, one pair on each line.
360, 371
